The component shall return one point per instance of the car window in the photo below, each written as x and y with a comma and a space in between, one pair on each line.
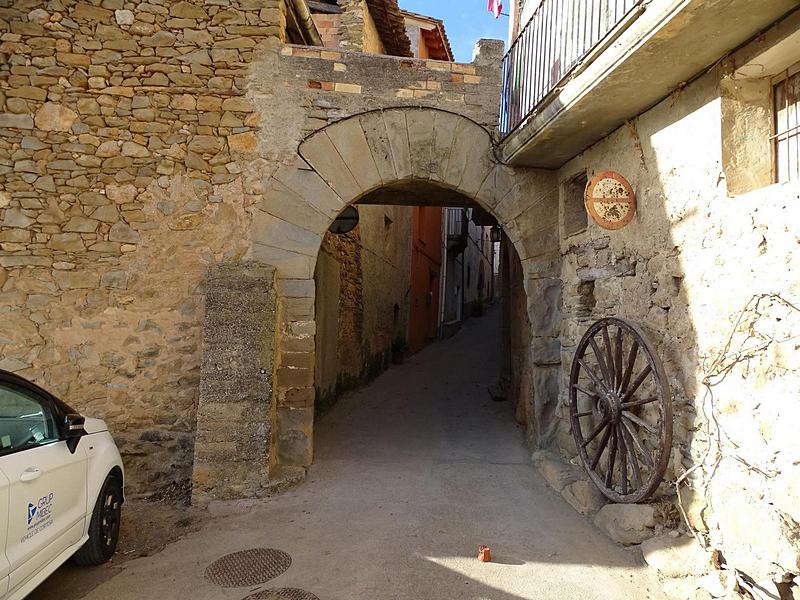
26, 420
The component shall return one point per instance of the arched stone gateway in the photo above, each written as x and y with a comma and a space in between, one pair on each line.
389, 153
383, 151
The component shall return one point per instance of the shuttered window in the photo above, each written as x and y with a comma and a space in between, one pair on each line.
787, 127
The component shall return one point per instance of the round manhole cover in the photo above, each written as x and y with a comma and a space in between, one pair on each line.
283, 594
248, 567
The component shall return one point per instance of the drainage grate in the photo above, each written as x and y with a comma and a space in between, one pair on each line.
283, 594
248, 567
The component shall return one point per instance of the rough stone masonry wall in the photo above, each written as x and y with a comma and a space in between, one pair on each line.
362, 299
125, 137
715, 279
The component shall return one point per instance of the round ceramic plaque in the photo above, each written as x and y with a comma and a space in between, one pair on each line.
610, 200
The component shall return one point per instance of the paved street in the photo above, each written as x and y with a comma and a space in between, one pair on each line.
412, 475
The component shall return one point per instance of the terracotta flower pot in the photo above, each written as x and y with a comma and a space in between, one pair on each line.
484, 554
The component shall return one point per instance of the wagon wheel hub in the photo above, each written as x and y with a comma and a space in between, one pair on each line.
612, 407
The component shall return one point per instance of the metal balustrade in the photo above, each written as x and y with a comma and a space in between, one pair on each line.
558, 37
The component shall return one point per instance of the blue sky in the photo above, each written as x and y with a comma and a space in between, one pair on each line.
466, 21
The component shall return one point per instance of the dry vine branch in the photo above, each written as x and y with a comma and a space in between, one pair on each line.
714, 374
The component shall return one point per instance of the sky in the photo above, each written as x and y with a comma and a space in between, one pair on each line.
466, 21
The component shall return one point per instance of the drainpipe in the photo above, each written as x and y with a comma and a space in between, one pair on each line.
305, 22
464, 274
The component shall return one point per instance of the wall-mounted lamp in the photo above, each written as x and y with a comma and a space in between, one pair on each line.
496, 233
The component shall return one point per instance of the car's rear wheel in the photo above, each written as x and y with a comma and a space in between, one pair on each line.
104, 526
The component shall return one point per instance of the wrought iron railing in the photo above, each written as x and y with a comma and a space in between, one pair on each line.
558, 37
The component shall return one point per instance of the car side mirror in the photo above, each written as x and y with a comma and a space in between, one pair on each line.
73, 430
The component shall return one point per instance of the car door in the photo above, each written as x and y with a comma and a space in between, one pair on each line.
47, 482
4, 567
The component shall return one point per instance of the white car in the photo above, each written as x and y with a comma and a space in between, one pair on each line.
60, 487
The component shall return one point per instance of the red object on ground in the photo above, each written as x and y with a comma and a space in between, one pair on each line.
484, 554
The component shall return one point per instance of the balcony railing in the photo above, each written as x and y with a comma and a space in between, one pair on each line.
556, 39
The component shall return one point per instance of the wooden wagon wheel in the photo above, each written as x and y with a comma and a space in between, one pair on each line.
620, 410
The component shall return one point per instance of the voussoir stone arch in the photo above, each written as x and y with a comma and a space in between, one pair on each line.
336, 166
342, 162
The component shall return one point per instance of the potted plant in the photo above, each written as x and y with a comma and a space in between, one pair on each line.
399, 350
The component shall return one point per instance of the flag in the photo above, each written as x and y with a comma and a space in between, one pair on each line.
496, 8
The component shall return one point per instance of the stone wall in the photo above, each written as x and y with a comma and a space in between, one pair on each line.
517, 375
357, 29
362, 299
144, 145
125, 143
713, 277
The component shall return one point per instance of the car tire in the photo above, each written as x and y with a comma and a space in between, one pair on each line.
104, 526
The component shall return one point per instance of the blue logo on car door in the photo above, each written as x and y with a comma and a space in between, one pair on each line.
31, 512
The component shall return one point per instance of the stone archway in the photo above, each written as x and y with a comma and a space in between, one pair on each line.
344, 162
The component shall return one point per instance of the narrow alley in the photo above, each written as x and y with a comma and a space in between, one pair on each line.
413, 473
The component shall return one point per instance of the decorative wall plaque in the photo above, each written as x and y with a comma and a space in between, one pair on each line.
610, 200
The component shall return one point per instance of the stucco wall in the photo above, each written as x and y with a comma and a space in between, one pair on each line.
714, 279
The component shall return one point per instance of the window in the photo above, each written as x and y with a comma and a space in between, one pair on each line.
786, 94
25, 420
575, 218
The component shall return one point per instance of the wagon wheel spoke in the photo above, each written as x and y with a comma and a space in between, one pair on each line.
639, 421
612, 367
601, 361
634, 352
618, 358
635, 403
612, 455
593, 376
635, 386
603, 424
620, 410
638, 444
623, 459
592, 395
601, 447
637, 473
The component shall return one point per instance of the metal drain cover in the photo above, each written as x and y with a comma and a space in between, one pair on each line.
283, 594
248, 567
